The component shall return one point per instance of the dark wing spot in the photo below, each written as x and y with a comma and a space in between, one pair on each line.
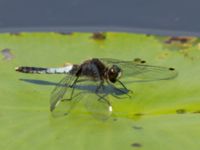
7, 54
99, 36
180, 111
136, 145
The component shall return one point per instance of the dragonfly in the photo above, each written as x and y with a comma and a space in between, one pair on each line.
95, 74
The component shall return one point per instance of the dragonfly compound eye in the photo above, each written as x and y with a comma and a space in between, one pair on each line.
114, 73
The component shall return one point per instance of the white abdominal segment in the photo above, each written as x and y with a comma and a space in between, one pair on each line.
65, 69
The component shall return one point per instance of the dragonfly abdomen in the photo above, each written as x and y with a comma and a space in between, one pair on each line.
39, 70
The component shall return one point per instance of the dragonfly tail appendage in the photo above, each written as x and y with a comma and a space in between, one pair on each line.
39, 70
24, 69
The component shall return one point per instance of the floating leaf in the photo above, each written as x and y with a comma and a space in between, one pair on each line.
161, 114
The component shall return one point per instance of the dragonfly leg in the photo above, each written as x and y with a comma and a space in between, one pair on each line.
119, 97
103, 99
124, 86
123, 92
101, 85
72, 86
119, 90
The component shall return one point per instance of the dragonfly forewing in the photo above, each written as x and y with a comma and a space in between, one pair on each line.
140, 70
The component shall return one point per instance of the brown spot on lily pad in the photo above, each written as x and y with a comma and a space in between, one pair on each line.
148, 34
180, 111
65, 33
171, 69
143, 61
7, 54
179, 39
197, 112
114, 119
138, 114
137, 127
15, 33
136, 145
138, 60
99, 36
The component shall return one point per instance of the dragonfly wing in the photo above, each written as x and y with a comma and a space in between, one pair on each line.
141, 70
60, 103
99, 106
96, 103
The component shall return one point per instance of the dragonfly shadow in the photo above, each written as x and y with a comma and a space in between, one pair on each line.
108, 89
40, 82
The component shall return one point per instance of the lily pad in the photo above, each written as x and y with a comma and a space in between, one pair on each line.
162, 114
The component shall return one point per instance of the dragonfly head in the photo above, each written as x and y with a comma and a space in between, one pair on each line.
114, 73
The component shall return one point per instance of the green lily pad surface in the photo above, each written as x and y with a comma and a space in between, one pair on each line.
162, 114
